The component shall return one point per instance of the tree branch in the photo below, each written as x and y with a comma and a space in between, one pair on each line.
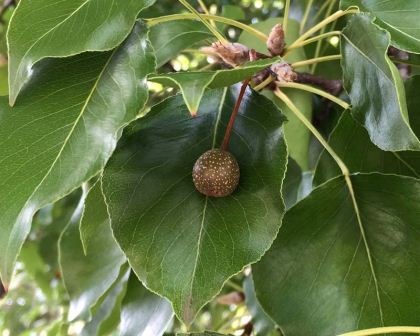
332, 86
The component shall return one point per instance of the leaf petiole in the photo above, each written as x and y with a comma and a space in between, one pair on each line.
312, 39
316, 91
383, 330
286, 16
188, 16
316, 60
212, 29
323, 23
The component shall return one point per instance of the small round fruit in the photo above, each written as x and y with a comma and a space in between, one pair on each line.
216, 173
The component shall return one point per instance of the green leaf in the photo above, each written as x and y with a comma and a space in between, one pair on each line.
170, 38
106, 313
143, 313
65, 28
205, 333
374, 85
88, 277
297, 135
193, 83
180, 243
350, 141
4, 89
63, 130
296, 184
324, 276
400, 18
262, 323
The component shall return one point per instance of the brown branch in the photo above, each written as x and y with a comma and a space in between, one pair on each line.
3, 291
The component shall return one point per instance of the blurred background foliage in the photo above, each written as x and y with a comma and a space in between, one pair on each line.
37, 302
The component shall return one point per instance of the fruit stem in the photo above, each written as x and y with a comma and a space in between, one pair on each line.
263, 84
235, 111
188, 16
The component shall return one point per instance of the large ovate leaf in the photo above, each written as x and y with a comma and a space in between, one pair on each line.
64, 28
180, 243
400, 18
143, 313
88, 277
193, 83
374, 85
297, 135
329, 272
63, 130
170, 38
351, 142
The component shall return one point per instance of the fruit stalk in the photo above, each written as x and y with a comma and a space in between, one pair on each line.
235, 111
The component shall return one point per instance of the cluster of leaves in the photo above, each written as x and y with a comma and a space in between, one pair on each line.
101, 227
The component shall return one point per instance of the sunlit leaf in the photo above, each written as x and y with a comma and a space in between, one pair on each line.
63, 130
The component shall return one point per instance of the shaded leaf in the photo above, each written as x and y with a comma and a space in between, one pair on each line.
63, 131
400, 18
143, 313
88, 277
4, 89
180, 243
170, 38
262, 323
351, 142
193, 83
374, 85
106, 313
62, 29
297, 135
323, 276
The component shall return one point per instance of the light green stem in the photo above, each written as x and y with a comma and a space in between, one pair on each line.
154, 21
313, 130
286, 16
200, 17
305, 16
311, 40
316, 91
206, 11
316, 60
263, 84
384, 330
323, 23
319, 43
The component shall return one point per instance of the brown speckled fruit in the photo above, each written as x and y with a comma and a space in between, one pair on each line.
216, 173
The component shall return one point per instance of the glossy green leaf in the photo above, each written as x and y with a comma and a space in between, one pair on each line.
297, 135
180, 243
106, 313
143, 313
374, 85
263, 325
351, 142
88, 277
170, 38
63, 130
193, 83
65, 28
400, 18
324, 276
